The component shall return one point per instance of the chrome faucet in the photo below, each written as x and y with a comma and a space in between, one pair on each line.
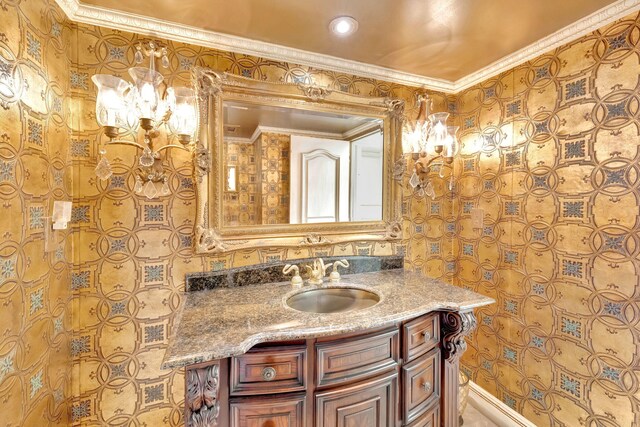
318, 271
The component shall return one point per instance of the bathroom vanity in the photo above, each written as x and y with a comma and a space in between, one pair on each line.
253, 360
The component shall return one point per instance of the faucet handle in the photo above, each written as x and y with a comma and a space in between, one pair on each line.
335, 276
296, 279
324, 267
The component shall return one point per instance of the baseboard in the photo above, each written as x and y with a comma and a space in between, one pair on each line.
495, 410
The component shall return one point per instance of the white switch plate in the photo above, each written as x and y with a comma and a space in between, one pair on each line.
61, 215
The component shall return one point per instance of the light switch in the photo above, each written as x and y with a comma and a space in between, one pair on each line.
61, 214
477, 218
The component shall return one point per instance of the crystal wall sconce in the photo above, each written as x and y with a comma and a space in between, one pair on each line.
145, 102
430, 142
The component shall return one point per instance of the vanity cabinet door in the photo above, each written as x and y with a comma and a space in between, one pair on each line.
268, 411
371, 403
421, 385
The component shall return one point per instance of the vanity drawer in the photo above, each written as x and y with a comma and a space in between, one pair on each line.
421, 382
281, 411
420, 335
356, 358
269, 370
429, 418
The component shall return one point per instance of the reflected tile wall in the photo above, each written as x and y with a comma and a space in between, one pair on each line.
275, 148
242, 207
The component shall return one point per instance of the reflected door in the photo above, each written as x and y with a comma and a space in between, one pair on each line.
366, 178
319, 180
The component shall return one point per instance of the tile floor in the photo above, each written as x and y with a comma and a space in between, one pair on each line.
473, 418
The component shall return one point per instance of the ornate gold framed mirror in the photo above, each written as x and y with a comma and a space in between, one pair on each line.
310, 165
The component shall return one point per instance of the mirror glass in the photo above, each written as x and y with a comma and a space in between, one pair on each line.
294, 166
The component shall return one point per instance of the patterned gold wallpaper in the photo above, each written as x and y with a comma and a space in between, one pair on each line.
557, 249
559, 245
35, 285
133, 254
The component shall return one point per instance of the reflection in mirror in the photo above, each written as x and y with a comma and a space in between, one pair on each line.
293, 166
232, 178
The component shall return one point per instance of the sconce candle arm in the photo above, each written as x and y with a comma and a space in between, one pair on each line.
439, 159
125, 142
164, 147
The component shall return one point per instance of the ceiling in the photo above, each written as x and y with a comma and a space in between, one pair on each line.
442, 39
241, 120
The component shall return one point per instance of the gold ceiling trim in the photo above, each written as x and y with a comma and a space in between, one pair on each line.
139, 24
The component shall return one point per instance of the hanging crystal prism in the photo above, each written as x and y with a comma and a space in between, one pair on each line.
146, 159
138, 56
103, 169
441, 172
165, 189
415, 180
165, 60
428, 189
137, 188
150, 190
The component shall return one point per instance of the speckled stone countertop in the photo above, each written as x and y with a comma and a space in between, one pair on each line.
218, 323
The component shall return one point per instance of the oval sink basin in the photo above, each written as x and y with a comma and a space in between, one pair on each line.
332, 300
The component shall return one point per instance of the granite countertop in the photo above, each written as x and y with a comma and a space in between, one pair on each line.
219, 323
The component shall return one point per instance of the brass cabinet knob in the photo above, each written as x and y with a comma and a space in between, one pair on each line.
426, 386
268, 373
427, 336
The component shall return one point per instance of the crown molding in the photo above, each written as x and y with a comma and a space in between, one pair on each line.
571, 32
94, 15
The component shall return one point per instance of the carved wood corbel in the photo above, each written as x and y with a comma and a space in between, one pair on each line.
202, 403
455, 327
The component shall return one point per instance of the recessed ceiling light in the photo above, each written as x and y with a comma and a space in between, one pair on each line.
343, 26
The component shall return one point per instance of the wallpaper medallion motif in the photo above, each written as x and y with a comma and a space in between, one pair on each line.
35, 314
556, 174
135, 253
551, 156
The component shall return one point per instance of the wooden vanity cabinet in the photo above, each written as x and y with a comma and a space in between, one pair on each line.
391, 377
277, 411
